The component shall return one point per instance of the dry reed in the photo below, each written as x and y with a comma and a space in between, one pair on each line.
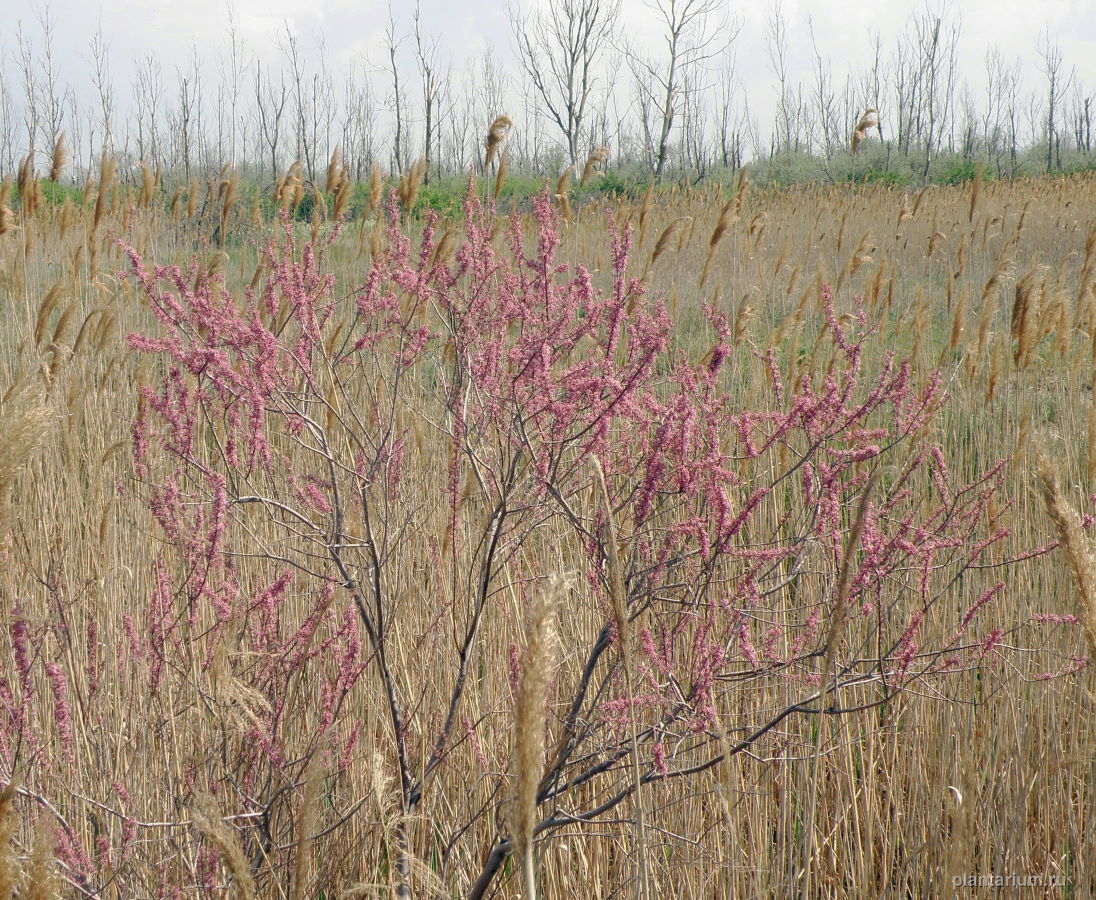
537, 663
1074, 543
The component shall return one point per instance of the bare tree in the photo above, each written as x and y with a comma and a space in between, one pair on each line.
788, 110
28, 71
148, 92
559, 47
695, 150
999, 111
104, 88
232, 75
830, 122
359, 122
1081, 115
391, 47
729, 125
322, 106
426, 52
52, 101
926, 67
302, 109
968, 126
1057, 84
270, 100
462, 139
185, 118
694, 31
7, 126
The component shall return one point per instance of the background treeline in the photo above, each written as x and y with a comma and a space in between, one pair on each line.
574, 86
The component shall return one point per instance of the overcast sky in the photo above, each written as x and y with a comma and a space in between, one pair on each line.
353, 30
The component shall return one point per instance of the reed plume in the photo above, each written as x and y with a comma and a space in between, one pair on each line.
148, 184
594, 162
563, 192
42, 870
334, 175
108, 166
376, 189
496, 134
728, 216
342, 198
408, 189
668, 234
59, 158
869, 120
1074, 543
227, 844
537, 663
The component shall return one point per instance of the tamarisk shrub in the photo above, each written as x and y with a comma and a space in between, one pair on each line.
360, 493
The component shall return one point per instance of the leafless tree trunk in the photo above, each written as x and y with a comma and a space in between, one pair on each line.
185, 120
301, 110
359, 122
104, 88
1057, 84
926, 69
730, 129
391, 45
232, 75
426, 52
831, 125
968, 128
559, 47
27, 69
786, 109
270, 103
695, 156
148, 92
322, 108
693, 32
7, 126
51, 100
999, 113
1082, 122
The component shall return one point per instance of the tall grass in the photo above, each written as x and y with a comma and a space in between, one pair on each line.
117, 789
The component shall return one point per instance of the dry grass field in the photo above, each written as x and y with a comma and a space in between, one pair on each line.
454, 575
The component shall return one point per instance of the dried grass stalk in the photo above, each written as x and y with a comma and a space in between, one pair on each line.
376, 189
664, 239
975, 191
537, 663
563, 192
42, 882
408, 189
306, 825
504, 166
10, 868
728, 216
644, 210
107, 169
594, 163
59, 158
1074, 543
227, 844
